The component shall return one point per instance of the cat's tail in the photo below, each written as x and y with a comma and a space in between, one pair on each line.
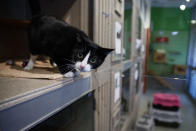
35, 7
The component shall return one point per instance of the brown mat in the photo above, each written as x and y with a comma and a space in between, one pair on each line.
42, 70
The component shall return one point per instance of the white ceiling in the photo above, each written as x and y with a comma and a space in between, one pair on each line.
172, 3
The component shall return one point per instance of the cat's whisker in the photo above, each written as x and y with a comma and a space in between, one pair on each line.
73, 69
70, 60
68, 69
66, 65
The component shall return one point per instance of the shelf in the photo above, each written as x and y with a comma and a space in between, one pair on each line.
25, 103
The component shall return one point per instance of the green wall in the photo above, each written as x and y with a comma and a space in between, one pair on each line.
170, 19
164, 22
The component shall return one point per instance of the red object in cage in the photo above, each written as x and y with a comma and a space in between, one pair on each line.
162, 39
165, 99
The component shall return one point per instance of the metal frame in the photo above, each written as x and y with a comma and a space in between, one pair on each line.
27, 114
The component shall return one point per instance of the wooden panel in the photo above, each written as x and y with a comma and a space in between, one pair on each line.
137, 95
101, 84
146, 56
102, 111
141, 75
95, 21
103, 35
134, 30
134, 85
84, 12
104, 24
116, 120
119, 7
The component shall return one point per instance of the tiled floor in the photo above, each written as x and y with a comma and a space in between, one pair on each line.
188, 109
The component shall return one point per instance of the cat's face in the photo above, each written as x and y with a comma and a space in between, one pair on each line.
88, 56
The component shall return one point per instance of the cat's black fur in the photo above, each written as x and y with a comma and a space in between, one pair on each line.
62, 43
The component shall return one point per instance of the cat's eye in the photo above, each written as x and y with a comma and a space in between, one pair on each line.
93, 60
80, 55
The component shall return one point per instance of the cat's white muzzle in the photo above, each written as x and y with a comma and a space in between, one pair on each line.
82, 67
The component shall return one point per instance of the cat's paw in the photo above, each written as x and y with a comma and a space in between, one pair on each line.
54, 64
69, 74
29, 66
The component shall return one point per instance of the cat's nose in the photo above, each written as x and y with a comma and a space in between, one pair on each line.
82, 66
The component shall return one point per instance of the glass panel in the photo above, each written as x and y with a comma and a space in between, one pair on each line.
126, 90
139, 27
127, 29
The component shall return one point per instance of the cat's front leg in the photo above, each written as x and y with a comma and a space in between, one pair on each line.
53, 63
30, 63
73, 73
69, 74
67, 71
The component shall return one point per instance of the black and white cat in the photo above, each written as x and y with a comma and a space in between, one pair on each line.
67, 46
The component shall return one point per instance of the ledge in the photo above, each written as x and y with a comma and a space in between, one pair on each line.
126, 65
27, 102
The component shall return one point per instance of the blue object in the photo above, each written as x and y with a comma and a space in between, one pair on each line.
192, 88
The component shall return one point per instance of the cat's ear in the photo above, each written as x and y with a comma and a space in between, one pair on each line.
106, 51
